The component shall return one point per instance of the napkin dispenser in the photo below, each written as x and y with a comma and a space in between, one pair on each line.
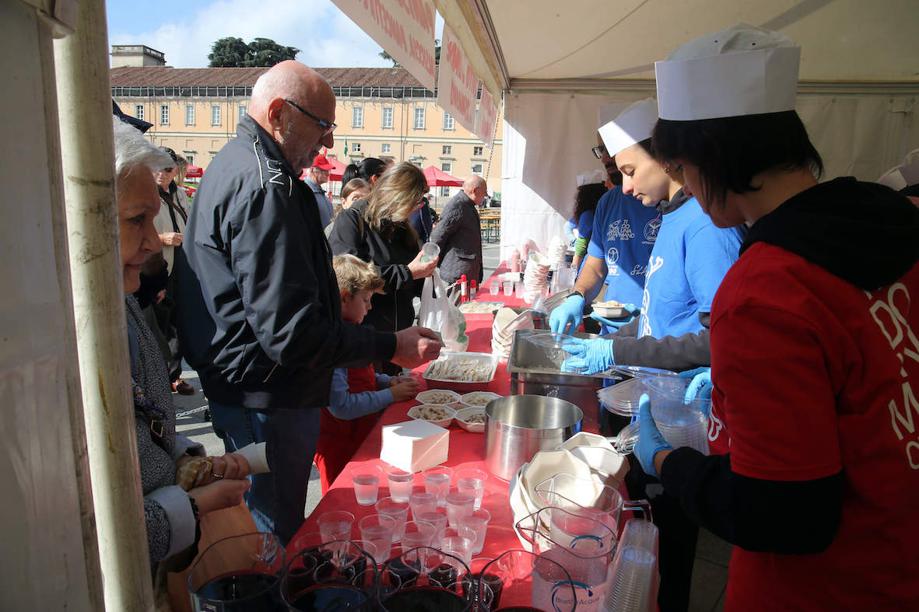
415, 445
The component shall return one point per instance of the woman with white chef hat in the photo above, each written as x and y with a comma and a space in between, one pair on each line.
814, 340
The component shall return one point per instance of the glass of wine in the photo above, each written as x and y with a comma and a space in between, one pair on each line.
429, 579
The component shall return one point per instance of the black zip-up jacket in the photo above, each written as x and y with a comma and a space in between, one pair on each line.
259, 308
391, 248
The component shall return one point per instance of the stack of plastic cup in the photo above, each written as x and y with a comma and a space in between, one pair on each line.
681, 423
634, 573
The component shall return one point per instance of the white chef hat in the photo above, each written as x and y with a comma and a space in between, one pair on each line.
591, 176
904, 175
632, 125
743, 70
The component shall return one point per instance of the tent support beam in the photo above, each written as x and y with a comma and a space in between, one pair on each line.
87, 153
881, 88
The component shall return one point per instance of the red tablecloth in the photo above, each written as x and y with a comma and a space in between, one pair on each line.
466, 450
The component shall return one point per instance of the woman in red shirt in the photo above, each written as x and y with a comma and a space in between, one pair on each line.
814, 340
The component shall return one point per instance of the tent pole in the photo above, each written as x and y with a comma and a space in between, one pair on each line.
85, 111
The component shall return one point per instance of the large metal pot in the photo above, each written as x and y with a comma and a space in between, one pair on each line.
519, 426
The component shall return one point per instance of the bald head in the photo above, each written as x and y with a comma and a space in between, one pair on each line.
476, 188
299, 135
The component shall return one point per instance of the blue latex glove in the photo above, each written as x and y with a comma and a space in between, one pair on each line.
650, 439
588, 356
700, 387
566, 317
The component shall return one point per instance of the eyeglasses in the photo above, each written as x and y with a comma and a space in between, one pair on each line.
325, 125
599, 151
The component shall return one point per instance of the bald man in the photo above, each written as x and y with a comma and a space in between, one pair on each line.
261, 319
458, 233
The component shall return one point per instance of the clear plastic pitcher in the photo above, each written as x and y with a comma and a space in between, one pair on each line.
582, 545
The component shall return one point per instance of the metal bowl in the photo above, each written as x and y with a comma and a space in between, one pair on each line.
519, 426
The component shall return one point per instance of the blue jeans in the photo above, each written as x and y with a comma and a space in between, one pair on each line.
276, 499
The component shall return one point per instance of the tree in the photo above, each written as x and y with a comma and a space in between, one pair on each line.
235, 53
228, 52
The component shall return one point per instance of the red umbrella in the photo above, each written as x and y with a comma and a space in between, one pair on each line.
439, 178
194, 171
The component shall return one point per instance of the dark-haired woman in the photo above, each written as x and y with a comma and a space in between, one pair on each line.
814, 345
586, 199
370, 169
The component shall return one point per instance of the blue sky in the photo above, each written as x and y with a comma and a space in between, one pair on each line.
185, 30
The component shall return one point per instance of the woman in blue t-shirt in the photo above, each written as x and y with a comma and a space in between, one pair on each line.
687, 263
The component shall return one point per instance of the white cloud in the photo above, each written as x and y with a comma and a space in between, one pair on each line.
324, 35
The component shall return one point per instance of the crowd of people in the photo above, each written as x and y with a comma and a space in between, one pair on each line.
710, 225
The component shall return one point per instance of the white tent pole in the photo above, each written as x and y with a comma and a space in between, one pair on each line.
85, 104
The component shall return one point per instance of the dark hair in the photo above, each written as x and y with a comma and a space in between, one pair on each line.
730, 151
364, 169
587, 197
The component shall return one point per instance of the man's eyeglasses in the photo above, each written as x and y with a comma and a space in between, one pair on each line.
599, 152
325, 125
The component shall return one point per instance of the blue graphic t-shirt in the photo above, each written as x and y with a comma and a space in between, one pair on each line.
689, 259
623, 235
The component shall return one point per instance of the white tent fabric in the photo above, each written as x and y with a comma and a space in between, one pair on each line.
548, 136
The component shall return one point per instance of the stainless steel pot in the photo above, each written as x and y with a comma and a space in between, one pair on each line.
519, 426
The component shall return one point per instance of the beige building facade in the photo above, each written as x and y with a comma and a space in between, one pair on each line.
381, 112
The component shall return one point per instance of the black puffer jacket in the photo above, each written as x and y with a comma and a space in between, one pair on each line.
259, 311
391, 248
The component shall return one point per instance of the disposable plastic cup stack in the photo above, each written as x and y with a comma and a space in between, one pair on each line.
634, 573
681, 423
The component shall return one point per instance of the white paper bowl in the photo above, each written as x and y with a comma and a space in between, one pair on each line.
465, 413
437, 396
478, 399
415, 413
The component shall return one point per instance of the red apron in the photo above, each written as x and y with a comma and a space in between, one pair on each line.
339, 439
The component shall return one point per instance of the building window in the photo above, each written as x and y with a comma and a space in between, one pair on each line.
242, 112
189, 114
445, 191
387, 118
355, 147
189, 157
419, 118
477, 151
385, 148
446, 167
448, 121
357, 117
215, 114
446, 150
164, 114
139, 111
477, 169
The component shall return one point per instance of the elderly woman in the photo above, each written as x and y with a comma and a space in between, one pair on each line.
166, 458
377, 230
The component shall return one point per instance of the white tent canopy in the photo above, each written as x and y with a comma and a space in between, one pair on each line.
557, 62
